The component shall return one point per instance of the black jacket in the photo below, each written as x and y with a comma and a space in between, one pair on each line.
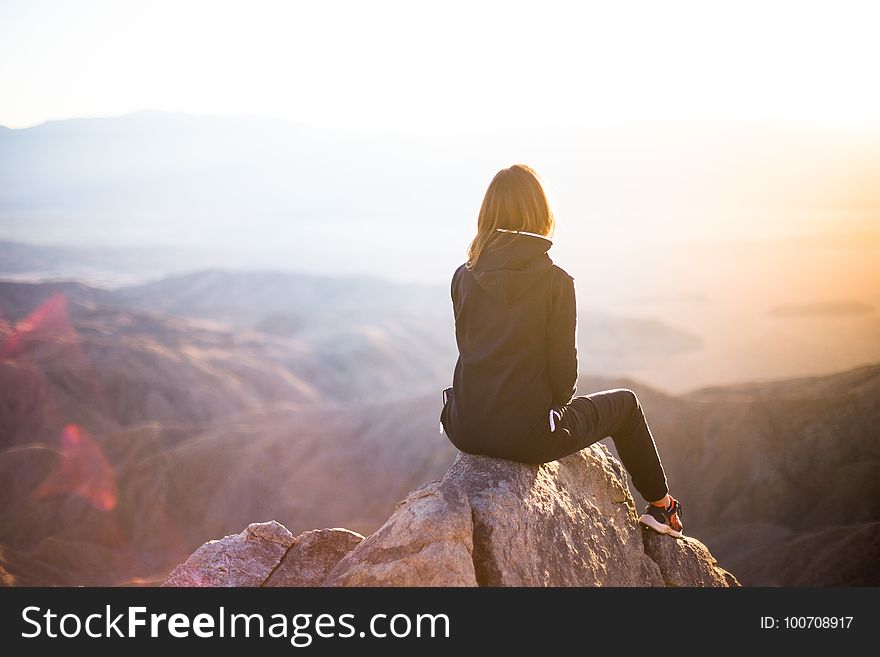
515, 325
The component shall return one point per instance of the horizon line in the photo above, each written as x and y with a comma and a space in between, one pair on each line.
803, 124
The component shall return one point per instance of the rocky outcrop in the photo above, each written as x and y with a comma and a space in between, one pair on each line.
685, 562
312, 555
245, 559
565, 523
489, 522
266, 554
427, 541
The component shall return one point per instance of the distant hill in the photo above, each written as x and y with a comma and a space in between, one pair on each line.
264, 189
781, 474
315, 326
108, 266
237, 183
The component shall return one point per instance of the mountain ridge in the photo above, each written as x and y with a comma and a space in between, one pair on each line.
202, 427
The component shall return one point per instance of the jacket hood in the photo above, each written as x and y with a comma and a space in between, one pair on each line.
512, 264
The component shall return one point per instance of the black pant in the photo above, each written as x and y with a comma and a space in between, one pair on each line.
616, 413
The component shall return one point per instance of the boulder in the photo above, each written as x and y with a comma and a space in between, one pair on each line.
312, 555
244, 559
566, 523
488, 522
685, 562
427, 541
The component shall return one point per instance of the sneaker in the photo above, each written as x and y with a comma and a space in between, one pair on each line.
664, 520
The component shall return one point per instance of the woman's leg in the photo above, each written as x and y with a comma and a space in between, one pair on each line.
616, 413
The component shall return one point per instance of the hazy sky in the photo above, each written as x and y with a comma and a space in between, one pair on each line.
436, 67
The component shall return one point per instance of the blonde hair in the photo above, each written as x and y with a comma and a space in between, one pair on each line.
515, 200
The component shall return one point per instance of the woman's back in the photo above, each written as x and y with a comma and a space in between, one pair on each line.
515, 324
515, 329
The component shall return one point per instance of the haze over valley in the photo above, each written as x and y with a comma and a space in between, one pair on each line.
212, 321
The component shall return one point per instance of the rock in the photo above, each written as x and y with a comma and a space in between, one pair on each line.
685, 562
244, 559
266, 554
566, 523
427, 541
489, 522
312, 556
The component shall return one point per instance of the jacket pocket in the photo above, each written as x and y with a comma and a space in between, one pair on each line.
446, 396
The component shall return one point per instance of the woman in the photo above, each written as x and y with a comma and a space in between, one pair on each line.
512, 394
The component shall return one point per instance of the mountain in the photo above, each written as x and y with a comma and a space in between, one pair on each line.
133, 348
90, 361
159, 179
488, 522
753, 257
785, 475
249, 189
782, 475
104, 266
129, 436
149, 175
313, 327
108, 412
176, 487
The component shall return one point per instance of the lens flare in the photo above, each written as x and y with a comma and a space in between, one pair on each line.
84, 471
51, 317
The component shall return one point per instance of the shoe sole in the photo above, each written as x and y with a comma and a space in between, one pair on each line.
659, 527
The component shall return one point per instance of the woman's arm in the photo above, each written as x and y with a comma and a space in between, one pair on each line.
453, 289
562, 360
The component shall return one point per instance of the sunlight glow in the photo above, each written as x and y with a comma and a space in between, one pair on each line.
460, 66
